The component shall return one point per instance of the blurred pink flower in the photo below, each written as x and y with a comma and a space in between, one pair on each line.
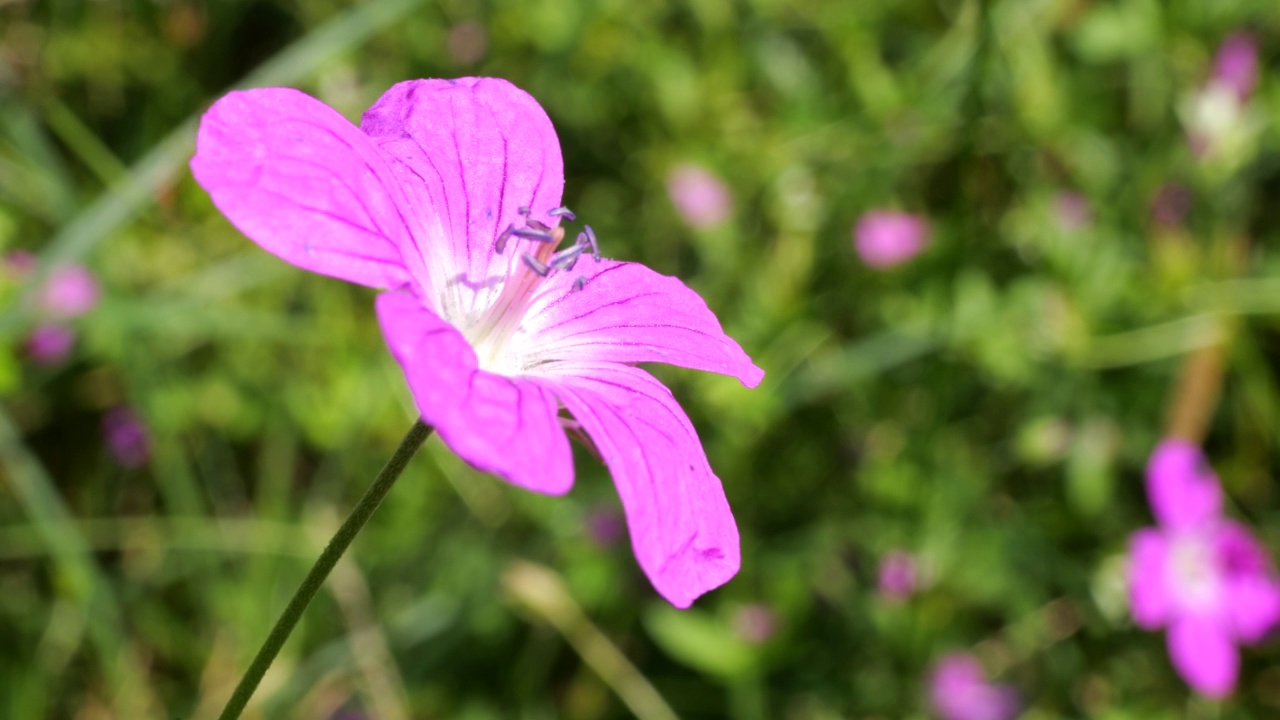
1073, 211
49, 344
899, 575
423, 200
884, 238
70, 291
701, 198
467, 42
1201, 576
1236, 65
755, 623
958, 690
126, 437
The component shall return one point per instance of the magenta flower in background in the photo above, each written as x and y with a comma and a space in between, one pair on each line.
50, 343
70, 291
885, 238
126, 437
700, 197
899, 575
448, 197
1236, 65
958, 690
1201, 576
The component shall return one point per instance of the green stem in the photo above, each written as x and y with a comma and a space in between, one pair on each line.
324, 564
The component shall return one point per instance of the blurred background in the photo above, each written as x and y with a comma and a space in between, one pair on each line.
989, 252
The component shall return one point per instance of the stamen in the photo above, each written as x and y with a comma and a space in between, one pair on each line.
589, 236
500, 245
523, 210
567, 258
537, 225
531, 234
535, 264
563, 212
578, 284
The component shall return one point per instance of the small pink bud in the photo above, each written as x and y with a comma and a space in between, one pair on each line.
699, 196
885, 238
899, 575
125, 437
1236, 65
70, 291
50, 344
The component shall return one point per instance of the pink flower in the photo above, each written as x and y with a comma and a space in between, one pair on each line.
899, 575
884, 238
958, 690
699, 196
71, 291
49, 344
1198, 574
19, 264
126, 437
448, 196
1236, 65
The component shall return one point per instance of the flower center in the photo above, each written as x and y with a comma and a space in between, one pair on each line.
1193, 572
491, 335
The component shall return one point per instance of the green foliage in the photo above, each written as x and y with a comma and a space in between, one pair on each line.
987, 407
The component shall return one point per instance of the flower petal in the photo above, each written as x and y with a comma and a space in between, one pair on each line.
1149, 599
627, 313
681, 528
506, 426
1252, 590
304, 183
469, 153
1203, 654
1182, 489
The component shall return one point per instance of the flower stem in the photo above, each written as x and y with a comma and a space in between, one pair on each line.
324, 564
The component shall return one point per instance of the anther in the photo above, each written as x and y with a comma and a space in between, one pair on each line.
535, 264
531, 234
567, 258
523, 210
563, 212
578, 284
500, 245
537, 225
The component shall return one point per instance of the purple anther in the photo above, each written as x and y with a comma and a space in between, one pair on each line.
567, 258
535, 264
523, 210
578, 284
531, 234
590, 236
500, 245
563, 212
536, 225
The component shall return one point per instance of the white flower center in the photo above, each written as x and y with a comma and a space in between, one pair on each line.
491, 334
1192, 572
